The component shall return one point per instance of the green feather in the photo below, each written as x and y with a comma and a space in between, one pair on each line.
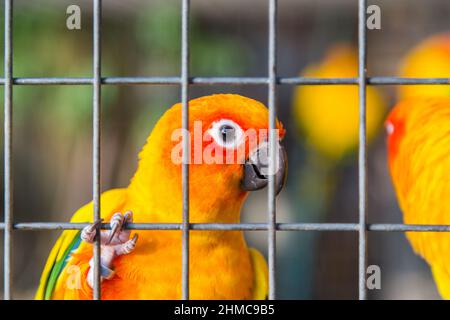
59, 266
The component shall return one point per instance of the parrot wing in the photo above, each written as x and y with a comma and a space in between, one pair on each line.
69, 241
261, 286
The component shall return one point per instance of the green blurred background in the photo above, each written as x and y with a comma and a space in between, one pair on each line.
52, 124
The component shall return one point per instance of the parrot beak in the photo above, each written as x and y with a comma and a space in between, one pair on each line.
256, 169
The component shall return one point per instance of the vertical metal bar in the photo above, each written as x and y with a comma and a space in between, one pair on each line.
8, 65
186, 152
96, 123
273, 141
362, 152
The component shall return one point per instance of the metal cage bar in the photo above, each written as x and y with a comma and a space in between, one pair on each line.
273, 141
375, 81
362, 150
184, 81
345, 227
96, 139
186, 146
8, 181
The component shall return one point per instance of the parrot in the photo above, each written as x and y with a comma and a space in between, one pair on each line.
328, 115
146, 264
326, 118
428, 59
418, 149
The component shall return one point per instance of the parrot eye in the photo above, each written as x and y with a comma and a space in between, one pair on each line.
389, 128
226, 133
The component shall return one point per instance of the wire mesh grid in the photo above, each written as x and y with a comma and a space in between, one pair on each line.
184, 81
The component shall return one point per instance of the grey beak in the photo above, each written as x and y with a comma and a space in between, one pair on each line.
256, 169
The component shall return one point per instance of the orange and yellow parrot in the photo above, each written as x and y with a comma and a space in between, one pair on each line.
222, 266
429, 59
328, 115
419, 160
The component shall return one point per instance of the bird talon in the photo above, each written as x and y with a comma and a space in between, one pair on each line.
127, 217
130, 245
117, 222
89, 232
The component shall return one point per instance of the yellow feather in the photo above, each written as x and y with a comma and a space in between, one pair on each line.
442, 279
261, 283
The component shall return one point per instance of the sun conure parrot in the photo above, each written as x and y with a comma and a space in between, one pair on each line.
326, 117
429, 59
419, 160
328, 114
222, 266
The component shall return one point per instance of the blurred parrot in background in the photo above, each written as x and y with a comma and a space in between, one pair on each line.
149, 267
328, 115
327, 119
419, 160
429, 59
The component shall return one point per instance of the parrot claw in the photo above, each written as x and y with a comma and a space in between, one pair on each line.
88, 233
117, 222
112, 233
129, 246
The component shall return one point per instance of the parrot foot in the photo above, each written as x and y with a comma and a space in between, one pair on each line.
114, 243
89, 232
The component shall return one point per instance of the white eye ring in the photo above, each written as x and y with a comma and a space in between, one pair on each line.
390, 128
226, 133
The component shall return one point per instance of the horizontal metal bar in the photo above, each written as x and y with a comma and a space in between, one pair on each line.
317, 81
405, 227
317, 226
228, 81
142, 80
385, 227
137, 226
406, 81
53, 81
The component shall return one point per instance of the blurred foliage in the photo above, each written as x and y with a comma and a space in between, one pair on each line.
53, 124
213, 53
43, 47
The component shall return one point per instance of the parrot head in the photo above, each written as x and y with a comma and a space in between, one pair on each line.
395, 129
229, 154
398, 124
417, 134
